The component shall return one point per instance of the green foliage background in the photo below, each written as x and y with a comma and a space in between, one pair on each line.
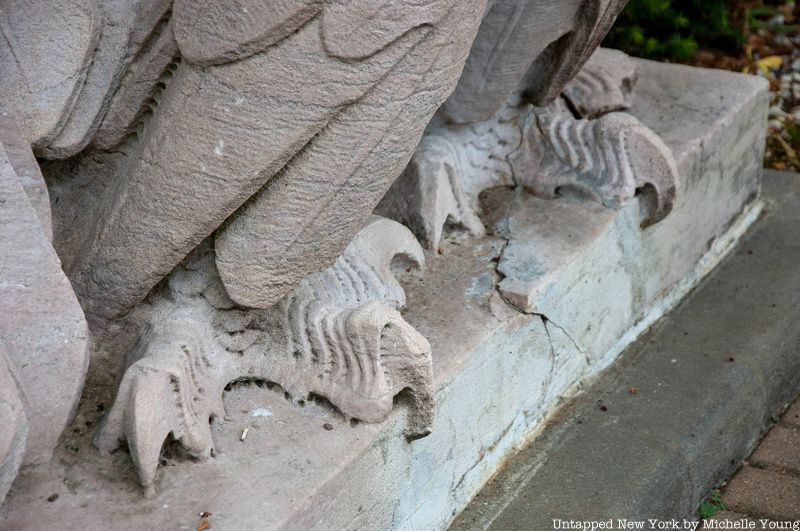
674, 29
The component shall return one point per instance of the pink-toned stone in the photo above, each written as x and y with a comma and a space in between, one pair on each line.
41, 322
14, 425
24, 164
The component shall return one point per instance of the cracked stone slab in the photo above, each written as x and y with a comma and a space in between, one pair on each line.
708, 382
716, 153
544, 239
605, 156
499, 374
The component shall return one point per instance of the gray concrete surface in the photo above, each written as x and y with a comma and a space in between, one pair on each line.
681, 409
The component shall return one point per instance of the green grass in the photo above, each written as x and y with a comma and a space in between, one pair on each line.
674, 29
711, 505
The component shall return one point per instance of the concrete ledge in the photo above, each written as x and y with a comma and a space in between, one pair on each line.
499, 373
708, 382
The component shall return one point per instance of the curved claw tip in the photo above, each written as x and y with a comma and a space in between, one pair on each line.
413, 433
420, 420
655, 205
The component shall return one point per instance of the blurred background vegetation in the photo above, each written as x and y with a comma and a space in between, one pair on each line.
759, 37
675, 29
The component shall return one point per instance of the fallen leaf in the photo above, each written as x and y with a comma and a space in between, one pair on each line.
771, 62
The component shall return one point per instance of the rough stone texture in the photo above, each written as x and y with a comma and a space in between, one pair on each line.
512, 35
139, 89
538, 251
546, 78
717, 145
610, 158
217, 32
498, 373
439, 190
764, 493
338, 336
779, 450
26, 168
535, 46
642, 160
282, 126
603, 85
221, 132
45, 52
111, 56
42, 324
273, 241
15, 426
656, 452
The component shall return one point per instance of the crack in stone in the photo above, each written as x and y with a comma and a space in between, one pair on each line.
504, 233
546, 320
483, 453
552, 355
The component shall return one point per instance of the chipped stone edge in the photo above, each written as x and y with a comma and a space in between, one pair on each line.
722, 247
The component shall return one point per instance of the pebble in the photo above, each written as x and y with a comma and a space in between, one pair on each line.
777, 20
777, 112
782, 40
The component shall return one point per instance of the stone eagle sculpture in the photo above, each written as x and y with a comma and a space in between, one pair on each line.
213, 167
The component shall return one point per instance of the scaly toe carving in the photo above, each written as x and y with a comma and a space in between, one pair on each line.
610, 158
433, 192
347, 339
173, 388
604, 84
338, 335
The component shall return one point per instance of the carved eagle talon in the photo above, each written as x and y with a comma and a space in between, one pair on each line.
170, 390
338, 335
612, 158
607, 156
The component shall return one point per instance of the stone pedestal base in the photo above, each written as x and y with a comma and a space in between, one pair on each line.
499, 373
